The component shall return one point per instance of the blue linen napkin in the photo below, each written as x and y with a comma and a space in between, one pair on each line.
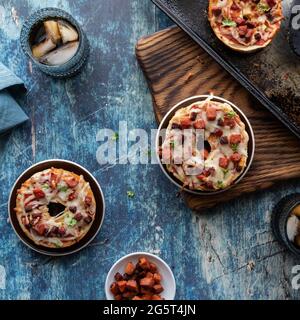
11, 113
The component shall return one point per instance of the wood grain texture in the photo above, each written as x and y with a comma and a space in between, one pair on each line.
177, 68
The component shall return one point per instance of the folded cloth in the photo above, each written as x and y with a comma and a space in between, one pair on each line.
11, 113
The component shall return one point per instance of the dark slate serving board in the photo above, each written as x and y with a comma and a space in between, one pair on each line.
272, 75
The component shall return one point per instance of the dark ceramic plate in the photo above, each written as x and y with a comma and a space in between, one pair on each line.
272, 75
185, 103
70, 166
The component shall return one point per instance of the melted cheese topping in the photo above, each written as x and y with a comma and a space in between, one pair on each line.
226, 160
245, 23
55, 186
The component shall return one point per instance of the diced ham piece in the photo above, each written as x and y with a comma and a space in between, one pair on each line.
185, 123
235, 138
39, 193
114, 288
122, 285
132, 286
72, 183
130, 268
236, 157
211, 113
147, 282
224, 162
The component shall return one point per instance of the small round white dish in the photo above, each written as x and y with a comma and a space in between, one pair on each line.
168, 280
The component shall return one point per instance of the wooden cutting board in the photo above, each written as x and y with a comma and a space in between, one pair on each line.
177, 68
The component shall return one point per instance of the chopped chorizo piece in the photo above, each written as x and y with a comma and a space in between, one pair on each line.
78, 216
144, 264
158, 288
229, 122
118, 297
218, 132
132, 286
149, 275
224, 162
211, 113
221, 122
157, 278
72, 196
130, 268
136, 298
88, 220
118, 276
39, 193
122, 285
88, 200
61, 231
114, 288
235, 138
153, 268
146, 297
224, 140
147, 282
41, 229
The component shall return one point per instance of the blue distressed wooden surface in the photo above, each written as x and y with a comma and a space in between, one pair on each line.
225, 253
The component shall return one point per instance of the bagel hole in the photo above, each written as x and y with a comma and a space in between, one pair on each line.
55, 208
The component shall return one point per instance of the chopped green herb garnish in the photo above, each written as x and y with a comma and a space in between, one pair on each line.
45, 186
172, 144
234, 146
263, 7
58, 244
63, 188
228, 23
115, 136
71, 222
225, 172
231, 114
220, 185
130, 194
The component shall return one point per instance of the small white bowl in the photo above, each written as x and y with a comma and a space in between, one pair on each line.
168, 280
